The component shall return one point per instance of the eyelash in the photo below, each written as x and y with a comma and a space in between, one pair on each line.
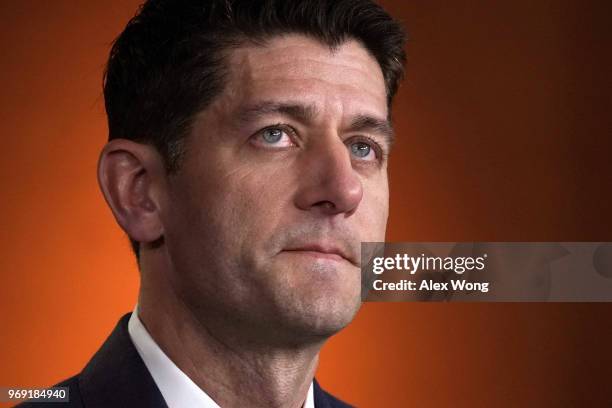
282, 126
379, 152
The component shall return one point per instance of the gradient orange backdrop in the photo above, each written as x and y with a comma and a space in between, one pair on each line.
504, 133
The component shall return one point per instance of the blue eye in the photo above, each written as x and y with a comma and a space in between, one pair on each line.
272, 135
360, 149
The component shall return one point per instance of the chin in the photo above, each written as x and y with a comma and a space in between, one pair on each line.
315, 326
322, 312
330, 321
311, 298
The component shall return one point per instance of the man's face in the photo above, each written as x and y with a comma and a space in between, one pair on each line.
284, 176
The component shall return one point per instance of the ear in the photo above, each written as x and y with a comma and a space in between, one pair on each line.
132, 178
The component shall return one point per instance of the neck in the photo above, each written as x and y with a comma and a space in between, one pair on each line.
233, 369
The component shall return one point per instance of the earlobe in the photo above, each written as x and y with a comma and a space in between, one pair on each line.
130, 176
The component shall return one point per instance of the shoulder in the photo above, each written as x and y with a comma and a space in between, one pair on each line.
323, 399
116, 376
74, 396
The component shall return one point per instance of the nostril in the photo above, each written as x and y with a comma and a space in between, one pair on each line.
325, 204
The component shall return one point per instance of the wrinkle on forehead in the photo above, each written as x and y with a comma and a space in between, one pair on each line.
297, 65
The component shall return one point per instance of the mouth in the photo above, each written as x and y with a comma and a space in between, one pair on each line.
321, 252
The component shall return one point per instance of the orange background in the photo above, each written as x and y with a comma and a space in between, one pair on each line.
504, 133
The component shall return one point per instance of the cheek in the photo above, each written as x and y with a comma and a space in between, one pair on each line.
243, 205
374, 210
217, 228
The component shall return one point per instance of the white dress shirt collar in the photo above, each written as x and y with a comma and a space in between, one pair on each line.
178, 390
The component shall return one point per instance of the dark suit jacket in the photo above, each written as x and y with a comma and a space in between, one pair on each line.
116, 376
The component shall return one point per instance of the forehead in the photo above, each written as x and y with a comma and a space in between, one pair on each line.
294, 67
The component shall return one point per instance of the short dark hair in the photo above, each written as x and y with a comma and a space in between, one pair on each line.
168, 63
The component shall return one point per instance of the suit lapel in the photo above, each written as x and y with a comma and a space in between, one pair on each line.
324, 400
116, 376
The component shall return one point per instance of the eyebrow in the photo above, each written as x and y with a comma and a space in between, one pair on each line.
307, 113
368, 123
297, 111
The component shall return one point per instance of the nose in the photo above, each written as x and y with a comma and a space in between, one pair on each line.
328, 182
